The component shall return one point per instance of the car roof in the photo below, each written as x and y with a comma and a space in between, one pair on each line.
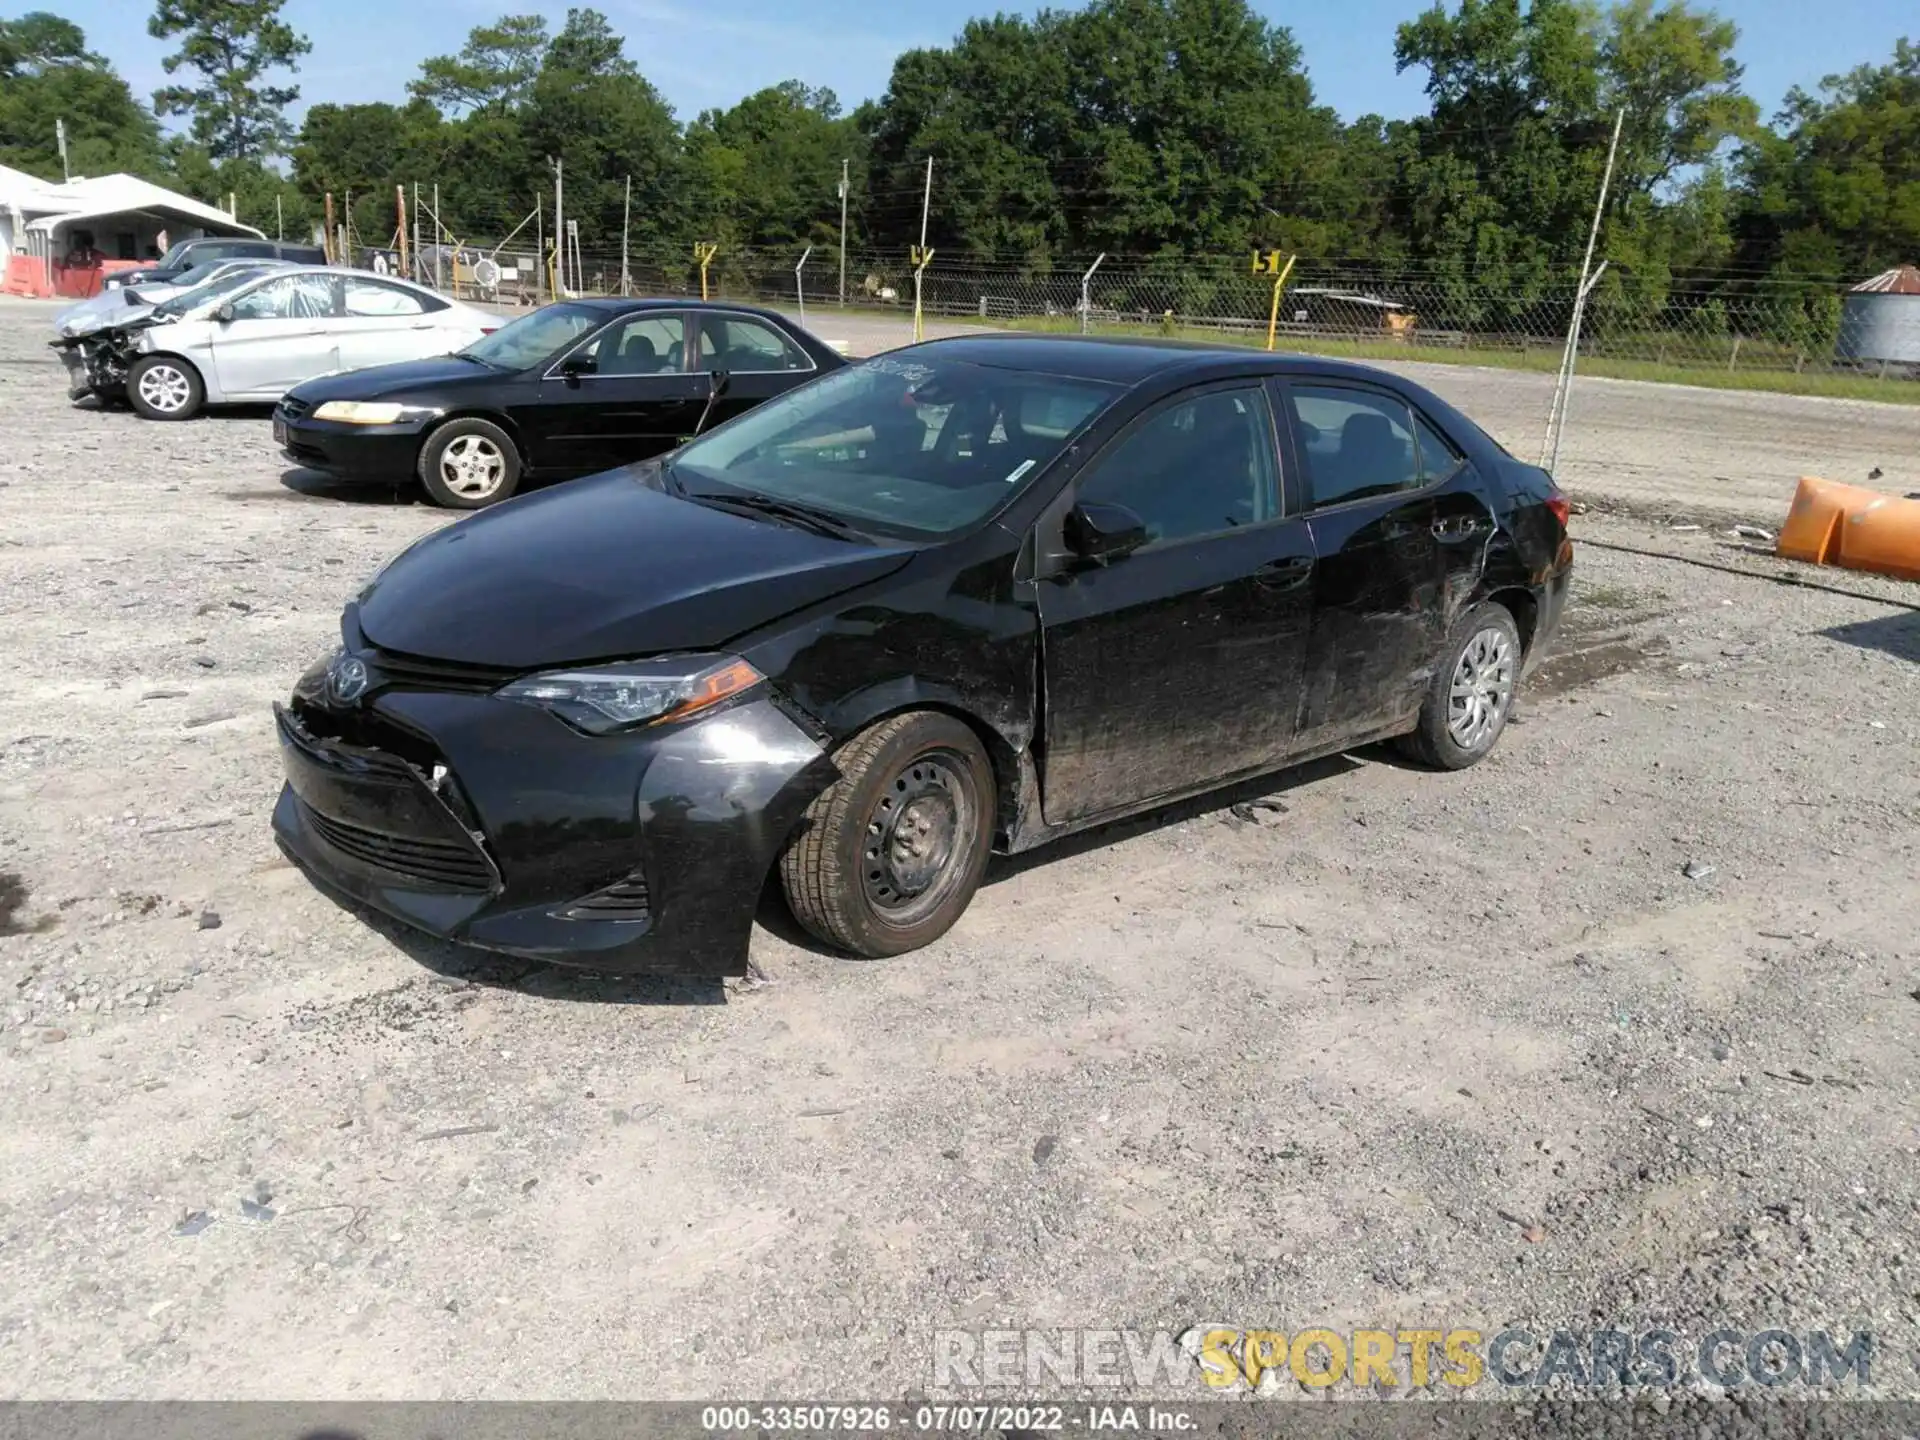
611, 305
1128, 361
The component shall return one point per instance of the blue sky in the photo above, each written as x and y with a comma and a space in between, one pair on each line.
710, 52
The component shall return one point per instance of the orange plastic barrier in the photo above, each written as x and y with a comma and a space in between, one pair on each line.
1832, 524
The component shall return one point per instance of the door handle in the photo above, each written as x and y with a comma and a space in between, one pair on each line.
1461, 527
1284, 574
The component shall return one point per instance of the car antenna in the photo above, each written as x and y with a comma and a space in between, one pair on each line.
717, 382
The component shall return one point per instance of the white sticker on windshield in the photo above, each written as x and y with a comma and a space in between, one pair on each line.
1020, 469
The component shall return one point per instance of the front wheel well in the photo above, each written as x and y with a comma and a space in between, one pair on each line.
1001, 755
492, 417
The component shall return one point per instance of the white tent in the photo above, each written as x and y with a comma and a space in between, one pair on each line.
22, 197
128, 214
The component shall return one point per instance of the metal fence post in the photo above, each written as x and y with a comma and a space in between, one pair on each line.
800, 283
1086, 294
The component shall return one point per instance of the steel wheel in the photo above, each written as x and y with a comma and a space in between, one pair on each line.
472, 467
918, 836
1482, 687
165, 387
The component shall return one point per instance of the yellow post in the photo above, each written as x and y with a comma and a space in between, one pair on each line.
1273, 315
703, 252
921, 257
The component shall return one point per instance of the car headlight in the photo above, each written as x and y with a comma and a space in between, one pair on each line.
607, 698
369, 412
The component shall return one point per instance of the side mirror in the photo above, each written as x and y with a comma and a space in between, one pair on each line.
574, 366
1102, 533
224, 314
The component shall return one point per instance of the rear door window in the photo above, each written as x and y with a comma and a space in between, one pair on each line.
1354, 443
744, 346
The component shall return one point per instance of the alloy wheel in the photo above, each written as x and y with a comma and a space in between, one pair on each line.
472, 467
918, 839
165, 388
1482, 688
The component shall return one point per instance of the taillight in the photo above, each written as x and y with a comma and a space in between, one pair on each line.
1557, 503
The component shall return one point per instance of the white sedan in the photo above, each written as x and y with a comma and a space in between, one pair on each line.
250, 338
129, 302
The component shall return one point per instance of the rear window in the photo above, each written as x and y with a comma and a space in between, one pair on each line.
303, 254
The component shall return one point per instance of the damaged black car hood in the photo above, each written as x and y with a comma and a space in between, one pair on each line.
606, 568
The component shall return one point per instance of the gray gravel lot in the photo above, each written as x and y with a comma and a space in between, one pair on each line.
1449, 1050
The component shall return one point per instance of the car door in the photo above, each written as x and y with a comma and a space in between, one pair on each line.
277, 336
382, 324
1400, 530
1177, 666
634, 400
759, 359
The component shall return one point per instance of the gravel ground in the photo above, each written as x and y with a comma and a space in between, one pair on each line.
1617, 1028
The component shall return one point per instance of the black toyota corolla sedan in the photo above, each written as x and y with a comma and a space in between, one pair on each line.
972, 595
571, 389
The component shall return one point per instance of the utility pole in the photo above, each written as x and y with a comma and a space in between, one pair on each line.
559, 224
626, 221
540, 248
1563, 383
414, 273
400, 213
437, 229
279, 220
328, 233
926, 204
843, 234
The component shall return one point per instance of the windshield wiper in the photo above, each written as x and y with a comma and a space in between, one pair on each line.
463, 355
805, 516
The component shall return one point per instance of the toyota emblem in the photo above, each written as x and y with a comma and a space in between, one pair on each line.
347, 679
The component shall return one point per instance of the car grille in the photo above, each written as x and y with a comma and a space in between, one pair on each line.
292, 409
440, 864
414, 673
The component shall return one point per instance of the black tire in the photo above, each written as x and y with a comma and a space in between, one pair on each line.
1450, 738
165, 387
483, 471
852, 850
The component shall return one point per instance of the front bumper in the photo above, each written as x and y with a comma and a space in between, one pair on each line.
492, 823
86, 375
349, 452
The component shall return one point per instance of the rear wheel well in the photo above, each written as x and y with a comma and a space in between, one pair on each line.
1520, 604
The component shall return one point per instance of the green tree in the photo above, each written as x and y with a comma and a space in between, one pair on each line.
494, 69
233, 45
48, 74
592, 110
1499, 194
767, 171
1834, 191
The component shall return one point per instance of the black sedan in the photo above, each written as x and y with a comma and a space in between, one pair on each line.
571, 389
972, 595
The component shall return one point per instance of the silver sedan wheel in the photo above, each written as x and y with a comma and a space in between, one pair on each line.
1482, 688
472, 467
165, 388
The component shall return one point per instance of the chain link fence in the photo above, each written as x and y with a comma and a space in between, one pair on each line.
1743, 384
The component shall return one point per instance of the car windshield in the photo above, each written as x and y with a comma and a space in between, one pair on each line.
174, 254
906, 446
193, 299
532, 338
